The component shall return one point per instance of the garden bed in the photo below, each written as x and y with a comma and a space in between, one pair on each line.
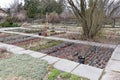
85, 54
28, 42
33, 31
108, 39
38, 31
92, 55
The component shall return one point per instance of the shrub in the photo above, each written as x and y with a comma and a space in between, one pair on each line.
75, 77
9, 24
65, 75
54, 73
53, 18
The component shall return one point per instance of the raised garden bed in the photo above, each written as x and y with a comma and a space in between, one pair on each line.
109, 39
34, 31
38, 31
85, 54
28, 42
92, 55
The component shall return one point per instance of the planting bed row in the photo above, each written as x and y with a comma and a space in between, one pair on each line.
29, 42
91, 55
38, 31
101, 39
26, 30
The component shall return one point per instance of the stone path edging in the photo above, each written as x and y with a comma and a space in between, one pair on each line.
112, 70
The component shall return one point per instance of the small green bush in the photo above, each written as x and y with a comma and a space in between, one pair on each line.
54, 73
65, 75
75, 77
9, 24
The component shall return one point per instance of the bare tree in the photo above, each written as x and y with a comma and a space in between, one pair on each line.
14, 7
91, 14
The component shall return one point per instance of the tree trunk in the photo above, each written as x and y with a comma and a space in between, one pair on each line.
113, 23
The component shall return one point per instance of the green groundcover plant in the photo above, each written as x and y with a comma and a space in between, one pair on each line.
23, 66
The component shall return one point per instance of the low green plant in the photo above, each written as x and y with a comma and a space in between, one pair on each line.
65, 75
9, 24
75, 77
54, 73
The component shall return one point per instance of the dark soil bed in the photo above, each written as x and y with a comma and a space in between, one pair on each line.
92, 55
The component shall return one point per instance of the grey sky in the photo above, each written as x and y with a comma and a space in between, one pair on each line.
5, 3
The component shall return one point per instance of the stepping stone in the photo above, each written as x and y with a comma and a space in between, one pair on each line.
37, 54
113, 65
89, 72
16, 50
117, 49
6, 46
109, 46
116, 56
111, 76
50, 59
25, 52
65, 65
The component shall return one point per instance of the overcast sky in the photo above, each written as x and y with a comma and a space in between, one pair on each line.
5, 3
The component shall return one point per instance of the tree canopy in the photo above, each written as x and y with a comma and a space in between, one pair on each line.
42, 7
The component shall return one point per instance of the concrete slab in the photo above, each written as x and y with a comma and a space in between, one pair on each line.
50, 59
116, 56
89, 72
16, 50
6, 46
111, 76
117, 50
37, 54
65, 65
113, 65
25, 52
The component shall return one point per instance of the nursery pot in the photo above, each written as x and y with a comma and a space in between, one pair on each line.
39, 33
81, 60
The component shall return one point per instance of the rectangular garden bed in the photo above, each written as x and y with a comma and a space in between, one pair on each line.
85, 54
40, 32
108, 39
